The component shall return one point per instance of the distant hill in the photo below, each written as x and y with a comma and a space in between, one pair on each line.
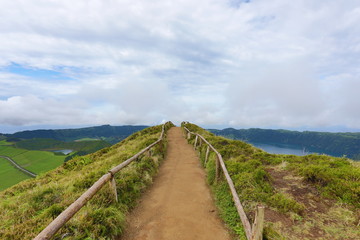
111, 134
337, 144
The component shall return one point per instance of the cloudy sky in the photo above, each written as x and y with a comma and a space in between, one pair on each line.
259, 63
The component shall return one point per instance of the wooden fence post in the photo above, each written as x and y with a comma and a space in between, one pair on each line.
148, 153
188, 135
217, 169
258, 226
112, 185
196, 139
207, 154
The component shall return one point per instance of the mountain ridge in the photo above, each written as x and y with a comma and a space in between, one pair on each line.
337, 144
112, 134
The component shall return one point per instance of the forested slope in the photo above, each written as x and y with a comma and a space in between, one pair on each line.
338, 144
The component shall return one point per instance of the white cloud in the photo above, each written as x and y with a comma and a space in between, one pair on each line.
279, 63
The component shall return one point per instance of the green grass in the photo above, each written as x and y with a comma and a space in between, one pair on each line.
336, 178
9, 175
88, 146
32, 204
5, 143
87, 139
34, 161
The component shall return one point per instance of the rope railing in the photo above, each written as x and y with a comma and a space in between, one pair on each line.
68, 213
254, 232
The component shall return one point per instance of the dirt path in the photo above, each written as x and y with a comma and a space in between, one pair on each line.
179, 204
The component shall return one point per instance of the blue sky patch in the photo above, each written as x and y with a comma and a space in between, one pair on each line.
37, 73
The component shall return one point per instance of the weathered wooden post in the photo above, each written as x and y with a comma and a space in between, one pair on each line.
258, 226
217, 168
196, 139
188, 135
112, 185
148, 153
207, 154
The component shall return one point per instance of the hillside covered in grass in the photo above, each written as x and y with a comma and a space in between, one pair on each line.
337, 144
31, 205
34, 161
310, 197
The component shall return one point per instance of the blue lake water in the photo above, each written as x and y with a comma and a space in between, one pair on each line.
64, 151
281, 149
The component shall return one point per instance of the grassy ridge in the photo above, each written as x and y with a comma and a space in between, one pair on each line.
31, 205
336, 178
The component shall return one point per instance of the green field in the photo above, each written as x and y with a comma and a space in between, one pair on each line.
9, 175
34, 161
5, 143
30, 155
87, 139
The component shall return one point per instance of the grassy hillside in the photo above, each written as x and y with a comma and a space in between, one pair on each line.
9, 175
31, 205
34, 161
42, 159
311, 197
111, 134
337, 144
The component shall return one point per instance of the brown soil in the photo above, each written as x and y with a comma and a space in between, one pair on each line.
178, 205
320, 214
301, 191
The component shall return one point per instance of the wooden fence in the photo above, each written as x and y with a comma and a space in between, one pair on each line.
68, 213
252, 232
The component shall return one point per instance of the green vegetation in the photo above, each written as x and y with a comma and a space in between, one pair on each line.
336, 144
80, 148
86, 139
335, 178
111, 134
5, 143
31, 205
9, 175
51, 144
34, 161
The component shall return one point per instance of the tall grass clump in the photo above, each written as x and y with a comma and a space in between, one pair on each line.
336, 178
30, 206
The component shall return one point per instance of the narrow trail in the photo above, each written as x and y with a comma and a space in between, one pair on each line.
178, 205
31, 174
